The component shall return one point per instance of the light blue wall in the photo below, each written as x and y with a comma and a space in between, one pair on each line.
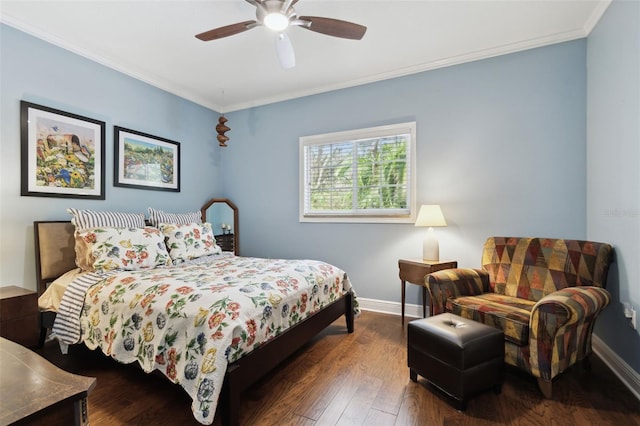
41, 73
613, 164
501, 146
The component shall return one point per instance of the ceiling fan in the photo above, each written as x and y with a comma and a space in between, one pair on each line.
278, 15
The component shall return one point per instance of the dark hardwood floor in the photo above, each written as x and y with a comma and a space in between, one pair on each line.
354, 379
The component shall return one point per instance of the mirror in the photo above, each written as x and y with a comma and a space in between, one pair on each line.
222, 214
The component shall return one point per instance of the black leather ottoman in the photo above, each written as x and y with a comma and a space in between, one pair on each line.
459, 356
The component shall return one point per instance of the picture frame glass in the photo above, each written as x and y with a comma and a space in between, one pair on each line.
145, 161
62, 153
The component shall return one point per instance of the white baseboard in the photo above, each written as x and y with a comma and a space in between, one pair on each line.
625, 373
621, 369
394, 308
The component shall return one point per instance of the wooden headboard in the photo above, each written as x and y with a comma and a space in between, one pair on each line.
55, 250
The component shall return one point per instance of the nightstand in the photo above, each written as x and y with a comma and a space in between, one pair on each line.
414, 271
19, 315
225, 241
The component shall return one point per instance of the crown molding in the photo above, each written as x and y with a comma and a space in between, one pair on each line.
177, 90
428, 66
593, 20
128, 70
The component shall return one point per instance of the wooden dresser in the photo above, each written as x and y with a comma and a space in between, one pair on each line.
19, 315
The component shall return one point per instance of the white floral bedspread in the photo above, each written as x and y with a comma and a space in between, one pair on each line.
190, 321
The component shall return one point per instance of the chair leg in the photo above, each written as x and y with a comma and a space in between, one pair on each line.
413, 375
545, 387
461, 404
586, 363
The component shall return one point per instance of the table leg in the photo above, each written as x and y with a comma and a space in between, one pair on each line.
81, 415
424, 302
403, 288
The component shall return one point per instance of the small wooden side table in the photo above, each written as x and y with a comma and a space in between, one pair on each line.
225, 241
19, 315
414, 271
34, 391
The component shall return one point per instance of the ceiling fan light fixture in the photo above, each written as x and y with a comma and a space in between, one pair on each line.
276, 21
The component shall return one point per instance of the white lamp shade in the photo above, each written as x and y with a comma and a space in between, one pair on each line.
430, 215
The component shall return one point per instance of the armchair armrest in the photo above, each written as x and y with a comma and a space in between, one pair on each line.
452, 283
561, 326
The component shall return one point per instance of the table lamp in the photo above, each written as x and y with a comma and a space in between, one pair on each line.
430, 215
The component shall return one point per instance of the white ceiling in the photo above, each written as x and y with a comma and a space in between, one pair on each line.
154, 41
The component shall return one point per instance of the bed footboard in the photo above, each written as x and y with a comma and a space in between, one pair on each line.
247, 370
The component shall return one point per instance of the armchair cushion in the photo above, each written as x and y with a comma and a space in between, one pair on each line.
509, 314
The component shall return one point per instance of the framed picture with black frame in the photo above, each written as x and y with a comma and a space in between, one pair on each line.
62, 154
145, 161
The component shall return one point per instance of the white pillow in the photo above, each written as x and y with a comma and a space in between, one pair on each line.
190, 241
103, 249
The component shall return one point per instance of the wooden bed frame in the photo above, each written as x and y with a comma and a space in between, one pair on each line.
55, 255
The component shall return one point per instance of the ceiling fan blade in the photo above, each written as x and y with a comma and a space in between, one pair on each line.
285, 52
334, 27
226, 31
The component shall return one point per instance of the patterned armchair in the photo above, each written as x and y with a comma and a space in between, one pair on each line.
544, 294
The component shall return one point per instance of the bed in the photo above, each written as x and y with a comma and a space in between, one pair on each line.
214, 324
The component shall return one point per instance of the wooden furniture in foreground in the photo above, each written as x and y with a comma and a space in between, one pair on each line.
414, 271
19, 315
32, 390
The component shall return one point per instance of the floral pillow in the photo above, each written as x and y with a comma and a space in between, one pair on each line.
190, 241
102, 249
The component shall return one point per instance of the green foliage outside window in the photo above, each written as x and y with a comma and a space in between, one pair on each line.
358, 175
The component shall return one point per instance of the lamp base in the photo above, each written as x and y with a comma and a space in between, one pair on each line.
430, 247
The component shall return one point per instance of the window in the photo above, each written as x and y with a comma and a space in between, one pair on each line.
365, 175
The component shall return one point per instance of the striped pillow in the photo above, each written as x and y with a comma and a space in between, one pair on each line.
156, 217
84, 219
